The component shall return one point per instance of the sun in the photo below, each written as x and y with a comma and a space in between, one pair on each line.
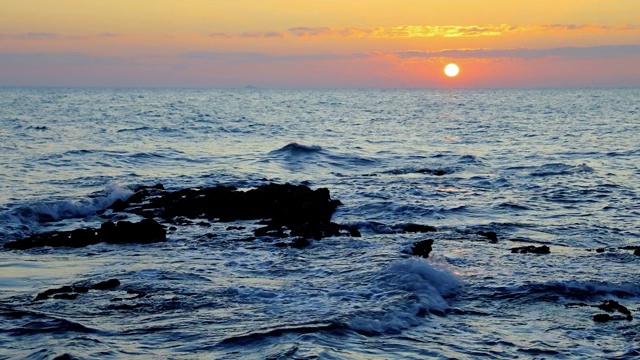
451, 70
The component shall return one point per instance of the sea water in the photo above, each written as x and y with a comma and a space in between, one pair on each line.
559, 168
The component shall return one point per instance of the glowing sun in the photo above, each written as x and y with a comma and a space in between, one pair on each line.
451, 70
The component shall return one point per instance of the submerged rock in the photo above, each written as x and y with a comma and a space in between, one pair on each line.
491, 235
544, 249
422, 248
415, 228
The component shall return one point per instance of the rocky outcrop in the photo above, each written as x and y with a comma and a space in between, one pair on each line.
71, 292
122, 232
531, 249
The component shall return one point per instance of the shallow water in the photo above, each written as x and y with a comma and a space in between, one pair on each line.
538, 167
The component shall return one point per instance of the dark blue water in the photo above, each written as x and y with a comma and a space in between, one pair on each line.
538, 167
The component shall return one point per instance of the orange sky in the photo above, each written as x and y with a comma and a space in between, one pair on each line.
287, 43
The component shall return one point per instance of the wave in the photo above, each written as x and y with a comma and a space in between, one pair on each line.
410, 289
19, 220
558, 169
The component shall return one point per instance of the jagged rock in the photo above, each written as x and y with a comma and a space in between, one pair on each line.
144, 232
491, 235
637, 252
435, 172
66, 296
422, 248
106, 285
415, 228
531, 250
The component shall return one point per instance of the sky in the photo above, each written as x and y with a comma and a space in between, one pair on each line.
320, 44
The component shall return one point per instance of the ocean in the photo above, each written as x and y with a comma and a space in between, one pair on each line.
553, 169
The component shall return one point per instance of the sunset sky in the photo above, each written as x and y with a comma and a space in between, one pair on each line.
320, 44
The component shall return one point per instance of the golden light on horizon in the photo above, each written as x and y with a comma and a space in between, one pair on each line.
451, 70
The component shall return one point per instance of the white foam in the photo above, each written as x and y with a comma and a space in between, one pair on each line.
411, 287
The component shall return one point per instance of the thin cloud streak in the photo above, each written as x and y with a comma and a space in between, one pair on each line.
607, 51
425, 31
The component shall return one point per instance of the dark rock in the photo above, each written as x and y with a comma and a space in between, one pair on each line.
235, 228
64, 357
637, 252
66, 296
422, 248
436, 172
299, 243
531, 250
354, 232
280, 244
602, 318
106, 285
415, 228
600, 250
173, 228
146, 231
47, 293
125, 232
611, 306
491, 235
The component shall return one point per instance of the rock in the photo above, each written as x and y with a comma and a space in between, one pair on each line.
66, 296
611, 306
45, 294
602, 318
146, 231
422, 248
637, 252
299, 243
491, 235
600, 250
354, 232
531, 250
415, 228
106, 285
436, 172
124, 232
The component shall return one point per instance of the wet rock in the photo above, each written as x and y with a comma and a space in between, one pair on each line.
637, 252
435, 172
281, 244
300, 243
66, 296
354, 232
612, 306
491, 235
422, 248
64, 357
124, 232
415, 228
531, 249
50, 292
602, 318
146, 231
600, 250
106, 285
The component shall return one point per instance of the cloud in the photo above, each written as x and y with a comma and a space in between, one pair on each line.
308, 32
37, 35
250, 57
425, 31
268, 34
606, 51
46, 59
